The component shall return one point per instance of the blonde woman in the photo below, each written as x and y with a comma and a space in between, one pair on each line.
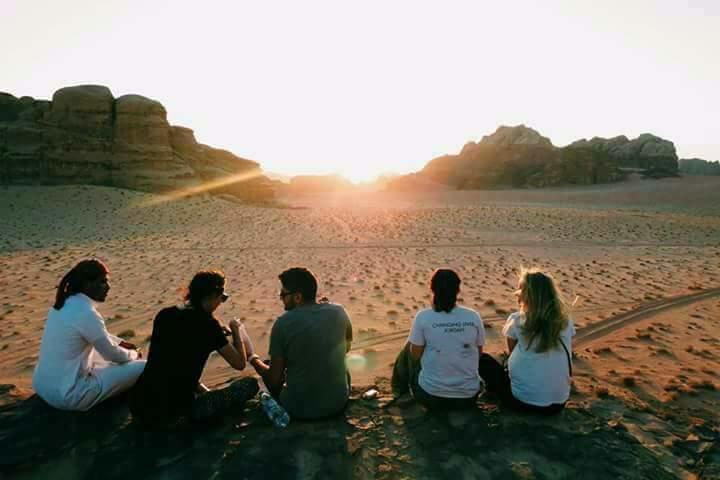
539, 341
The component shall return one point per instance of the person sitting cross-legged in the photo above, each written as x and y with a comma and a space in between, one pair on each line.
169, 392
308, 344
539, 339
439, 364
80, 363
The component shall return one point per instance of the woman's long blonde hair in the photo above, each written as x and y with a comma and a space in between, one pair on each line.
545, 312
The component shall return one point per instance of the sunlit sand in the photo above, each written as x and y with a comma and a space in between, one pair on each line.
613, 249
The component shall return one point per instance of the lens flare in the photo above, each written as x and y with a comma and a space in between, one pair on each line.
202, 188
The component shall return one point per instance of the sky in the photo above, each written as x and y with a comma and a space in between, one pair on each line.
368, 87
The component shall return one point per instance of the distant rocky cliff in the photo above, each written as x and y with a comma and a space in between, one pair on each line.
86, 136
698, 166
646, 152
521, 157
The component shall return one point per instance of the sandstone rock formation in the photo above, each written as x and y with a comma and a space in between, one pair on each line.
85, 135
521, 135
520, 157
646, 152
698, 166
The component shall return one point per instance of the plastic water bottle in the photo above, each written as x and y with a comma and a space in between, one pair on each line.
277, 414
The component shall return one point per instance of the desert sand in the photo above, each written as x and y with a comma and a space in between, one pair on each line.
639, 260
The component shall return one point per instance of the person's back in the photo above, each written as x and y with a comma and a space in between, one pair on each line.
539, 378
183, 338
452, 340
313, 340
64, 352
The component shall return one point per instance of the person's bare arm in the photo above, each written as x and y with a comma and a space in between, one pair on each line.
234, 354
348, 337
511, 342
273, 375
416, 351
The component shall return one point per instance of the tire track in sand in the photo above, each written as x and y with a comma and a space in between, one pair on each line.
586, 334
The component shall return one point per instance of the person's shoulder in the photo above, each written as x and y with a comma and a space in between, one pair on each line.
425, 314
467, 311
285, 317
516, 316
515, 319
168, 312
337, 308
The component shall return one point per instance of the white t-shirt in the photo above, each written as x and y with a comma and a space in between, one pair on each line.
63, 374
450, 360
539, 379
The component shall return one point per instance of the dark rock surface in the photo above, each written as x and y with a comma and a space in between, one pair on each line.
86, 136
521, 157
698, 166
646, 152
373, 439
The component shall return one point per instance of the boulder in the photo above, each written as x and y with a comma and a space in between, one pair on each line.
140, 120
10, 107
83, 107
647, 152
520, 135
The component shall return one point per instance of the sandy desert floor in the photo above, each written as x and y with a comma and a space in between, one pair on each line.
640, 260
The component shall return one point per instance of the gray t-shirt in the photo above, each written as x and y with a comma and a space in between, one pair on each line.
313, 340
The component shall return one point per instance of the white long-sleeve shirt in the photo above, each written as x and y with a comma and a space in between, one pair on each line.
73, 336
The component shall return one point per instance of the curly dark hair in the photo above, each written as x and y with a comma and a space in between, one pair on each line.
203, 284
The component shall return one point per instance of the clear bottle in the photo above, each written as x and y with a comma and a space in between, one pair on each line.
277, 414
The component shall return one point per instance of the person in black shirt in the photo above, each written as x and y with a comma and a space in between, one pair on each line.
169, 392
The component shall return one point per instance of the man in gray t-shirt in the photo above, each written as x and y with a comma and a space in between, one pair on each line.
308, 344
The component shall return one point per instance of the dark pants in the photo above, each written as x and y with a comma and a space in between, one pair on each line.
216, 403
497, 381
406, 372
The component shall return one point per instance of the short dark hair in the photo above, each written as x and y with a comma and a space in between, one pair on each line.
203, 284
445, 285
300, 280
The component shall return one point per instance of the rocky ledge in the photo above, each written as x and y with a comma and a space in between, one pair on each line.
87, 136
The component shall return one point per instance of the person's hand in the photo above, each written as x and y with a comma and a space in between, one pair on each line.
128, 345
226, 331
235, 324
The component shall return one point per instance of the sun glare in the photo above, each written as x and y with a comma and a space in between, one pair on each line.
205, 187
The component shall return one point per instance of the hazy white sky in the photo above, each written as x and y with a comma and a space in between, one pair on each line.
366, 87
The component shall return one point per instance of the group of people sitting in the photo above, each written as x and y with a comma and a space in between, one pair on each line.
443, 365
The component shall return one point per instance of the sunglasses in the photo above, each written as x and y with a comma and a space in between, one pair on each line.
223, 296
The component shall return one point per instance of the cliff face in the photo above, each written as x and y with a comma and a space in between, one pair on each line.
518, 157
86, 136
521, 157
698, 166
646, 152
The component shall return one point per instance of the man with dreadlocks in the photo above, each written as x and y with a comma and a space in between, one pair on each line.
80, 363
